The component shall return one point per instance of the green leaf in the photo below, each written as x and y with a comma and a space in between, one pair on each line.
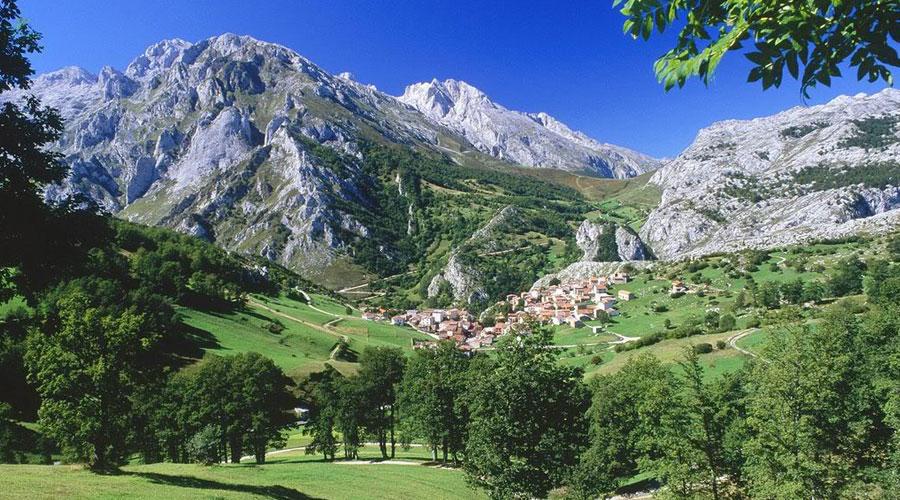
791, 60
758, 58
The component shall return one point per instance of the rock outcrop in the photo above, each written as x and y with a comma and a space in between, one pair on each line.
805, 174
607, 242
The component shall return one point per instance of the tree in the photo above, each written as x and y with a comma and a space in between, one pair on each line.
261, 391
350, 416
768, 295
811, 413
324, 413
380, 371
809, 39
813, 291
727, 323
792, 291
696, 457
526, 418
39, 240
626, 416
87, 362
432, 398
847, 277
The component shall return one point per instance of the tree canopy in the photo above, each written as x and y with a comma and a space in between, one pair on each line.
811, 39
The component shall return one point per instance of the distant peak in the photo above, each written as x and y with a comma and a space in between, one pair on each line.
72, 75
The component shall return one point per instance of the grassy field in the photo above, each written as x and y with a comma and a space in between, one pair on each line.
287, 476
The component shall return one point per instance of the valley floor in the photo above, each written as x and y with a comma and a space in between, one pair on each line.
290, 475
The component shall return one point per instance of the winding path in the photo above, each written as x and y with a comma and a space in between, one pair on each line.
733, 340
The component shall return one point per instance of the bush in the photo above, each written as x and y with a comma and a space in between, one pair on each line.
676, 295
597, 359
753, 323
660, 308
703, 348
721, 344
204, 446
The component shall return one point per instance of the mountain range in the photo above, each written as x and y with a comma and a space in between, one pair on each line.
252, 146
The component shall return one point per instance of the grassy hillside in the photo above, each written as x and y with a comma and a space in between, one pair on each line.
299, 338
714, 286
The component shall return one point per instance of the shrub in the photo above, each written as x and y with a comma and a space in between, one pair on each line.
596, 359
676, 295
703, 348
204, 446
721, 344
660, 308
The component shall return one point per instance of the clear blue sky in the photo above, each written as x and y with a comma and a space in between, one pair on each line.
567, 58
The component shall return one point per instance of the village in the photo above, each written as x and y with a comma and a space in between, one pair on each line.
571, 303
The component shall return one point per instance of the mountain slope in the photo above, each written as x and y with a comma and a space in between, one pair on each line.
252, 146
804, 174
530, 139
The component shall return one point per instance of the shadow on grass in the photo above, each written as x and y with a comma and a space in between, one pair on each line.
277, 492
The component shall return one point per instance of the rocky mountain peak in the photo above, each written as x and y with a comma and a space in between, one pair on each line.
528, 139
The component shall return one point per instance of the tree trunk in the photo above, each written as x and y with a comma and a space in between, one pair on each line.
237, 448
260, 453
393, 442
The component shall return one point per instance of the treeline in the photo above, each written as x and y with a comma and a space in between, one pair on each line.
515, 420
94, 353
815, 416
216, 411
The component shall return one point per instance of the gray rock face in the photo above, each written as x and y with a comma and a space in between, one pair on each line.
589, 238
529, 139
583, 270
801, 175
629, 245
463, 280
466, 282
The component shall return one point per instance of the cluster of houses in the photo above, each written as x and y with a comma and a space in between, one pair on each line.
570, 304
440, 324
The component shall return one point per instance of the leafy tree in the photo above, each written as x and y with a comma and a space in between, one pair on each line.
882, 282
526, 426
629, 411
380, 372
696, 457
813, 291
792, 291
323, 414
204, 445
351, 414
432, 398
41, 241
7, 435
727, 323
847, 277
768, 295
262, 389
87, 362
809, 39
811, 413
